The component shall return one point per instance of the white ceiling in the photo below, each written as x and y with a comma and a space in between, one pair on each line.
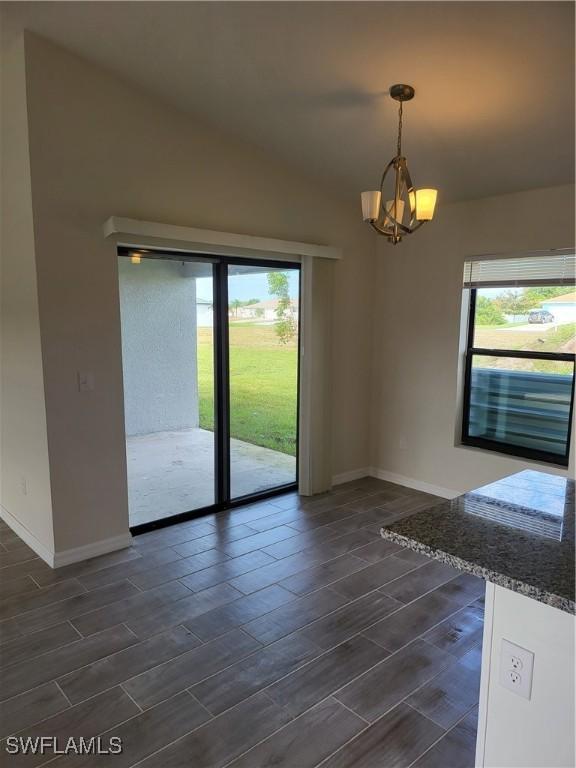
494, 106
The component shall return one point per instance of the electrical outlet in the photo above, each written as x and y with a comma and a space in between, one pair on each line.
516, 663
514, 678
516, 667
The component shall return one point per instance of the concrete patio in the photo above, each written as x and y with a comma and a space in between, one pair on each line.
173, 471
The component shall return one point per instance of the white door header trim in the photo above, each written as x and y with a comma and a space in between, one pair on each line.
212, 241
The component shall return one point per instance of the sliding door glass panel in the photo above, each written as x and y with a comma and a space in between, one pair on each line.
263, 362
167, 349
522, 402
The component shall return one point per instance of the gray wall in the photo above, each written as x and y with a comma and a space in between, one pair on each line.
419, 334
24, 467
158, 310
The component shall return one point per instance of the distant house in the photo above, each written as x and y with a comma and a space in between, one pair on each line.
562, 307
204, 313
264, 310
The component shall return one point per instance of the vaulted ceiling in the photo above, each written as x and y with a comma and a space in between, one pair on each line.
308, 81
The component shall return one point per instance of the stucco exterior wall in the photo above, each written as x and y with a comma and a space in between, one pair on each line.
159, 342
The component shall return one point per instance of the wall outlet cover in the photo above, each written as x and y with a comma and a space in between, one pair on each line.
516, 668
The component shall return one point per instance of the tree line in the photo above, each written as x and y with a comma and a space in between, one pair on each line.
512, 302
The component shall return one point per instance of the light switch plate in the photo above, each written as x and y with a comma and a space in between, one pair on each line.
85, 381
516, 668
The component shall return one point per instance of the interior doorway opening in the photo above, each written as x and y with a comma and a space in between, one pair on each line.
210, 349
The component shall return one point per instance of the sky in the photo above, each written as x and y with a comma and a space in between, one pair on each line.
491, 293
244, 287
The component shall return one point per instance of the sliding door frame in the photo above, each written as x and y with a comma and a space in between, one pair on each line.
221, 385
225, 424
222, 464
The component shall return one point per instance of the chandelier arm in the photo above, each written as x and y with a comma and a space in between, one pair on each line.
404, 229
406, 173
409, 189
390, 232
397, 191
378, 228
385, 231
384, 213
385, 173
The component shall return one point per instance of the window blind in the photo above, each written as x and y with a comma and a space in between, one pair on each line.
546, 268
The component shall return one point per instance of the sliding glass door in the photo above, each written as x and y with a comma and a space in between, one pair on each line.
210, 360
263, 377
167, 316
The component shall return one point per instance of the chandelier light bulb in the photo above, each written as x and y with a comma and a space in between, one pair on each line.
425, 204
371, 205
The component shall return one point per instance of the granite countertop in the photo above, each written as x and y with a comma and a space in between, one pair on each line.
517, 533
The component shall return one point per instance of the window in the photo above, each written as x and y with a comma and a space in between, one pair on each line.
520, 355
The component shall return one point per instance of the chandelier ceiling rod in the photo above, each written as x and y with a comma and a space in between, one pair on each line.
399, 145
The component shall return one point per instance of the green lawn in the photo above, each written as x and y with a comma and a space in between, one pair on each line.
561, 338
263, 386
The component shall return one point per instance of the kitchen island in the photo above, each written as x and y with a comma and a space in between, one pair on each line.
518, 535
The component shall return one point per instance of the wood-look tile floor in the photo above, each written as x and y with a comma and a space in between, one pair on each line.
285, 633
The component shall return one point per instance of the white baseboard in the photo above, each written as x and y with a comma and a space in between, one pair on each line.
353, 474
410, 482
392, 477
27, 536
67, 556
85, 552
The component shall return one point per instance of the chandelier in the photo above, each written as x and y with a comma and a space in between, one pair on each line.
409, 208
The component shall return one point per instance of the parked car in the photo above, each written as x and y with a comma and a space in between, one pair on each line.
540, 316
